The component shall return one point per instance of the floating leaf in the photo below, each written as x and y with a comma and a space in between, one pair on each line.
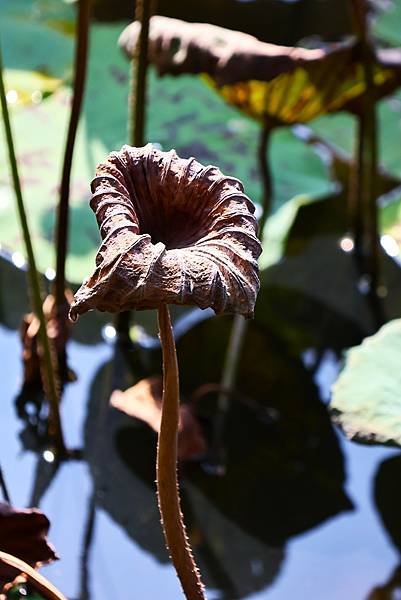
277, 85
367, 396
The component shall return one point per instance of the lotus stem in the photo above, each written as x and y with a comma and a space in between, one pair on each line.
40, 583
49, 368
137, 112
167, 482
265, 174
80, 68
368, 159
240, 326
4, 488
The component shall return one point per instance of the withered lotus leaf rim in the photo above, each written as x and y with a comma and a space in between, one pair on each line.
174, 232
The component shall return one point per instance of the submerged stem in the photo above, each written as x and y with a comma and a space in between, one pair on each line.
49, 367
40, 583
167, 483
80, 65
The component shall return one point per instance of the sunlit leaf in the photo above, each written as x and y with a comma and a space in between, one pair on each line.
366, 398
29, 87
275, 84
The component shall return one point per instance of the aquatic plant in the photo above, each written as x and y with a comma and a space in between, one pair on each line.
174, 232
47, 355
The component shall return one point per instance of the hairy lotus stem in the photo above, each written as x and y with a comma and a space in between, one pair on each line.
40, 583
49, 367
137, 110
167, 483
80, 65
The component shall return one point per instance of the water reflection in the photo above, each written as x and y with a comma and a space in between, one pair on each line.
284, 474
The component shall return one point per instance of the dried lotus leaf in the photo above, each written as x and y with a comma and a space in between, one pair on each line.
173, 232
276, 84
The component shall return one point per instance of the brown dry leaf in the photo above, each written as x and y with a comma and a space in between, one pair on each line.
144, 402
278, 85
23, 533
58, 330
174, 232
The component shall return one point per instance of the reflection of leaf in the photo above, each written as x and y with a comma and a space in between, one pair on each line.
274, 454
366, 398
144, 402
276, 84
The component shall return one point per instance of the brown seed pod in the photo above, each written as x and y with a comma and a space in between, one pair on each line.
174, 232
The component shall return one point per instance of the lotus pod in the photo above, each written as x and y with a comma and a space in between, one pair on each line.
173, 231
279, 85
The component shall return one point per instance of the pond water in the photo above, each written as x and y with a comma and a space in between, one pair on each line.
298, 531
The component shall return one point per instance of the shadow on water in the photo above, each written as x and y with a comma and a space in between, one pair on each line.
284, 472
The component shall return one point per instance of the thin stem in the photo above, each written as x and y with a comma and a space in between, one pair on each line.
4, 488
139, 70
48, 365
40, 583
265, 174
167, 482
137, 112
368, 157
80, 67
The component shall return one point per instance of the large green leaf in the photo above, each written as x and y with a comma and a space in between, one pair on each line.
340, 129
366, 398
35, 36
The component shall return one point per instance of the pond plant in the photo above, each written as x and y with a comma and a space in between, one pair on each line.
174, 232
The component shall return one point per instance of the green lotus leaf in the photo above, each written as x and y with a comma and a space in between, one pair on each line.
366, 399
176, 118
